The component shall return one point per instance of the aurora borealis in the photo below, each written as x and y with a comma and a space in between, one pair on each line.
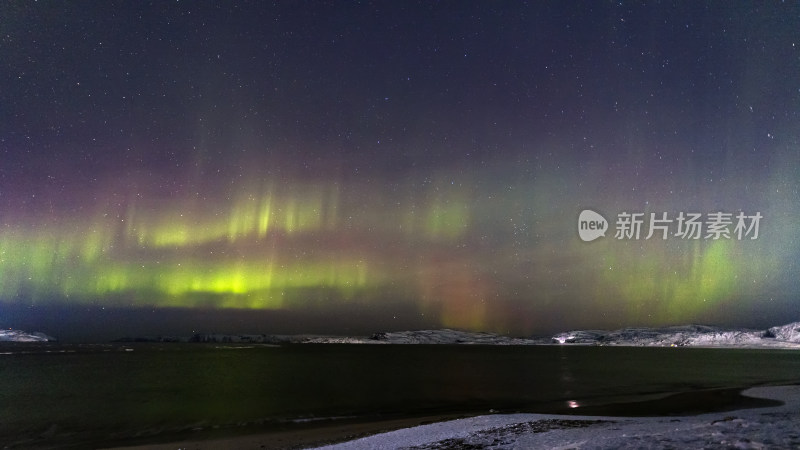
348, 168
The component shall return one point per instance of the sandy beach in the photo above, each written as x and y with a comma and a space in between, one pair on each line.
750, 428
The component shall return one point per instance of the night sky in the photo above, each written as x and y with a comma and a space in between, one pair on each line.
353, 167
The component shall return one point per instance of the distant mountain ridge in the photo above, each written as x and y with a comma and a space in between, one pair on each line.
687, 335
783, 336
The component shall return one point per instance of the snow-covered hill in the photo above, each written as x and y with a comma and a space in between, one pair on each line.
787, 333
787, 336
21, 336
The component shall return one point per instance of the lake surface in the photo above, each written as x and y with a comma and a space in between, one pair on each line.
60, 395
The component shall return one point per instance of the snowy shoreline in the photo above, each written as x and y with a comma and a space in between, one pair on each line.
770, 427
773, 427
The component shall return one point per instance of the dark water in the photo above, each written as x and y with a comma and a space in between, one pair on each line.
90, 395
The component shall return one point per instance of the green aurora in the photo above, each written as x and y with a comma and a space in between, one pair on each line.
467, 259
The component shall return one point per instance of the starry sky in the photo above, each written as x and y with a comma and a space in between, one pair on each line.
353, 167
